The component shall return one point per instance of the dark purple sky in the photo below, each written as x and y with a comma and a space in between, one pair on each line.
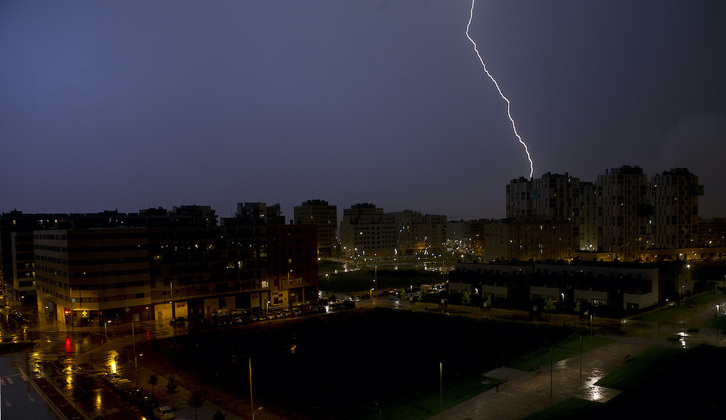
130, 104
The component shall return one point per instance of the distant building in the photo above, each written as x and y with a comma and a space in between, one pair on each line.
366, 230
458, 236
611, 287
260, 213
556, 197
325, 219
479, 235
416, 232
623, 211
518, 199
526, 240
712, 232
674, 197
193, 215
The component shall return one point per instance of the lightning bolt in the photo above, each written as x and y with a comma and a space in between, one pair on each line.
509, 104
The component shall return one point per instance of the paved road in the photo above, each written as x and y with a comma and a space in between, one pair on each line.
20, 400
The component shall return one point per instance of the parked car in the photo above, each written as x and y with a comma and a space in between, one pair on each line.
239, 312
110, 378
121, 385
148, 401
177, 321
164, 412
135, 395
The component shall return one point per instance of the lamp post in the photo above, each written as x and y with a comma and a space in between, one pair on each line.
441, 389
136, 359
252, 404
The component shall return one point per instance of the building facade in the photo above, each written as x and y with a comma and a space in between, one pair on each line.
325, 219
366, 231
159, 266
674, 197
623, 211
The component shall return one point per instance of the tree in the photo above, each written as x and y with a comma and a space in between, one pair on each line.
402, 293
421, 294
153, 380
196, 400
549, 305
466, 297
171, 388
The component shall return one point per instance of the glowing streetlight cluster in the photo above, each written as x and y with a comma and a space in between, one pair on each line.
509, 105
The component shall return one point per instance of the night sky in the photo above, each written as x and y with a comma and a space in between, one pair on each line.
135, 104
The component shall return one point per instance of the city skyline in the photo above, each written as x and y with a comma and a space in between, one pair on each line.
135, 105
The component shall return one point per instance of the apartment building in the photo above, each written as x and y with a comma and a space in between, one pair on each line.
525, 240
366, 231
418, 233
325, 219
17, 261
623, 211
674, 197
88, 276
556, 197
155, 265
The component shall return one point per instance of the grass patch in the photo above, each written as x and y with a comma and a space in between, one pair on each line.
428, 404
716, 323
363, 280
571, 408
564, 350
645, 365
344, 362
704, 298
329, 267
664, 314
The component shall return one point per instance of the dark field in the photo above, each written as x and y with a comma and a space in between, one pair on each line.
324, 366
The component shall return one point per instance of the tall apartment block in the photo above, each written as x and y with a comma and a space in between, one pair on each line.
623, 210
325, 219
555, 197
518, 201
674, 196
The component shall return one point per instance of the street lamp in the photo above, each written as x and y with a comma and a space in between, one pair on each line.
717, 306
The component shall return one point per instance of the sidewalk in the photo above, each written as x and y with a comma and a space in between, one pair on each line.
524, 393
